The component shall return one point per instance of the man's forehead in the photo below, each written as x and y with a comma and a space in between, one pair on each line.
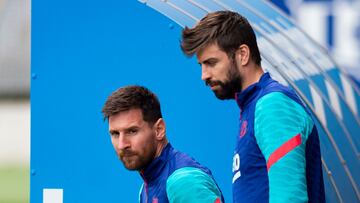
208, 51
127, 118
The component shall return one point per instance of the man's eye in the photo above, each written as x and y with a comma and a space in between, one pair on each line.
114, 134
132, 131
211, 63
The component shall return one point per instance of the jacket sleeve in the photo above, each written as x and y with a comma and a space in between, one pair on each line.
190, 184
281, 129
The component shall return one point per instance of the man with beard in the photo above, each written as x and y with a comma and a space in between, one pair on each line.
277, 144
138, 135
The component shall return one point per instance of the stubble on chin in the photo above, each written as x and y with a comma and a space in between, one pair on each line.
131, 163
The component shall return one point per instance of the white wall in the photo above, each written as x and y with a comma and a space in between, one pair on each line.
14, 132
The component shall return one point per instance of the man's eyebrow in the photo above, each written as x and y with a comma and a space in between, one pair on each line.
208, 60
204, 61
113, 131
134, 127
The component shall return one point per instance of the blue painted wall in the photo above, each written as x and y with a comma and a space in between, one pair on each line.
82, 51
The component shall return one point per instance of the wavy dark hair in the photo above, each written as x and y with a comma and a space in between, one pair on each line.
227, 29
133, 97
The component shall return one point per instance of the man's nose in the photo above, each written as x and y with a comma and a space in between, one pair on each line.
123, 142
205, 74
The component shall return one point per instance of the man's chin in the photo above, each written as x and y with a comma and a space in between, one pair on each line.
223, 96
135, 164
132, 167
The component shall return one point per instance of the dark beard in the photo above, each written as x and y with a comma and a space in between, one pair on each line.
230, 87
141, 161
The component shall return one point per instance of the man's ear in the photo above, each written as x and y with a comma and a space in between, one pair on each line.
160, 129
243, 55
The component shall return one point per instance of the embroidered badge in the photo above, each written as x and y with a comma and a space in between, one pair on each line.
243, 128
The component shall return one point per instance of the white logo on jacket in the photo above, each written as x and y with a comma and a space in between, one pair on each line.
236, 167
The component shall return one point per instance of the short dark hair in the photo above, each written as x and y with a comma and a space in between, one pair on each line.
227, 29
133, 97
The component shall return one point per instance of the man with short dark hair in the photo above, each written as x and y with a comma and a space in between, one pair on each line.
138, 135
277, 155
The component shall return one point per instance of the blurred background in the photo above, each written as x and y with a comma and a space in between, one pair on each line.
14, 100
335, 24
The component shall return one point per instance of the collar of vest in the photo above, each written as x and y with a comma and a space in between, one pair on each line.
154, 169
246, 96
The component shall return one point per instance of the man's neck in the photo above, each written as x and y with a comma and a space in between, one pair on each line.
160, 147
251, 75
